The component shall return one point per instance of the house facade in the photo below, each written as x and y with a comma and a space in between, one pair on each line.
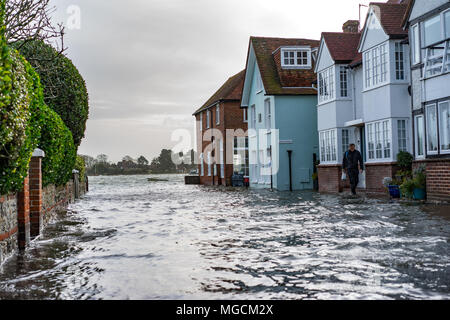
280, 98
221, 131
363, 97
428, 22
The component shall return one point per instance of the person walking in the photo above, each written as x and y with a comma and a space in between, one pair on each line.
353, 165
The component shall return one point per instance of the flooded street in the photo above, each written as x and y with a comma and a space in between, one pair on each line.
133, 239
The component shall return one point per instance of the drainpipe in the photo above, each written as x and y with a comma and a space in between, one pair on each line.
271, 166
290, 169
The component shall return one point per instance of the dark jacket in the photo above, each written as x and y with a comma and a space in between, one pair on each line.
351, 160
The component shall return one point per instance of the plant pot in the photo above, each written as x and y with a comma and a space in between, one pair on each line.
394, 192
419, 194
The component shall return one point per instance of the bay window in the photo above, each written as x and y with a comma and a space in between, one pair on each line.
326, 85
328, 146
375, 66
436, 31
379, 140
432, 134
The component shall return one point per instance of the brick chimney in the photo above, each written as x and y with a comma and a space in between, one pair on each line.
351, 26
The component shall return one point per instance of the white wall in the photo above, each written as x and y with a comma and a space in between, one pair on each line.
374, 33
437, 87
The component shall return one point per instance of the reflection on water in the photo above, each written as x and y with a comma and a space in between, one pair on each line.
133, 239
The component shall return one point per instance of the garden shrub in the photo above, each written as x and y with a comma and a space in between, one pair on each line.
57, 143
20, 115
64, 88
80, 165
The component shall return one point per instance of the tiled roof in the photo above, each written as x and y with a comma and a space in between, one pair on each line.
278, 81
231, 90
391, 16
343, 47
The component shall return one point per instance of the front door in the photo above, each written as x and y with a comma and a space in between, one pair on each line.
360, 146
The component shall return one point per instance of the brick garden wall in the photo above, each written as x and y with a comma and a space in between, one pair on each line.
438, 178
376, 172
25, 214
8, 225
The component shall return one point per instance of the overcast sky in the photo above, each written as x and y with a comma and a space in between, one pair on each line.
149, 64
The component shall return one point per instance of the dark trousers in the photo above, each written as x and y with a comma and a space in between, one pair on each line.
353, 175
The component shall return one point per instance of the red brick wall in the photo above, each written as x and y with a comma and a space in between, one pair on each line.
330, 178
376, 172
231, 117
438, 178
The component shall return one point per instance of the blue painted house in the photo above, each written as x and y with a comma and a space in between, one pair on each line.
280, 96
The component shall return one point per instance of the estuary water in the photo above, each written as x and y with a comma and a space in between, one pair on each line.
129, 238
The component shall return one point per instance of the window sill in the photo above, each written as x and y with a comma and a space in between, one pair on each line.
259, 91
376, 87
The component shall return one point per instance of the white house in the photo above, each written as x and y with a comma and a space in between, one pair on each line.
363, 97
429, 33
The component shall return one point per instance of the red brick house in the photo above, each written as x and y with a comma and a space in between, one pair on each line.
221, 130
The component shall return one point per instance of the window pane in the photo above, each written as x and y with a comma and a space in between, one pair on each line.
416, 44
447, 23
432, 30
432, 129
444, 125
419, 136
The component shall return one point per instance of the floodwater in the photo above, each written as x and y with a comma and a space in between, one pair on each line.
133, 239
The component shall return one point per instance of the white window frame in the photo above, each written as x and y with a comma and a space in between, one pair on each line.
376, 66
328, 146
295, 51
379, 141
442, 150
415, 49
326, 83
416, 136
343, 82
208, 119
399, 56
427, 125
218, 114
245, 115
402, 135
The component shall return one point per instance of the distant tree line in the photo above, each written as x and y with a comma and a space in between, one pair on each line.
130, 166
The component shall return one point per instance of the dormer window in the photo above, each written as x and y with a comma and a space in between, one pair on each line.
296, 58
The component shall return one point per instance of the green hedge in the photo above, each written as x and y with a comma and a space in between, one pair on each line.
64, 88
20, 114
57, 143
80, 165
